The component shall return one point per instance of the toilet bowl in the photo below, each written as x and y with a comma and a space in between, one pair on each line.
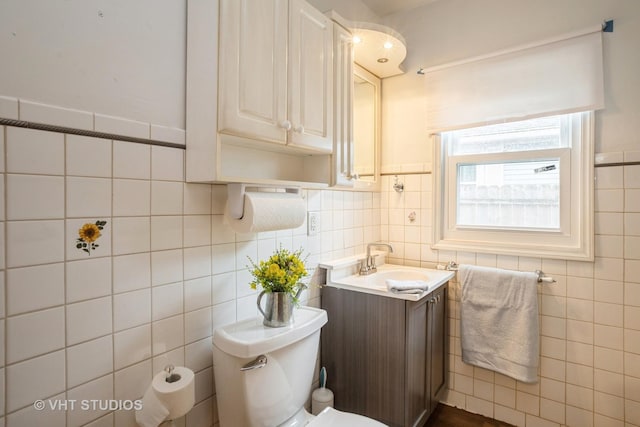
333, 417
263, 375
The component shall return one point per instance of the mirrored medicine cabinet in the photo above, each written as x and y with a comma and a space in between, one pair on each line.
366, 126
378, 53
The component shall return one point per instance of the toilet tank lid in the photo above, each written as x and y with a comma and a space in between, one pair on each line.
250, 338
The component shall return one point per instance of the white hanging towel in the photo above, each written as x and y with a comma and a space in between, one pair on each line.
499, 321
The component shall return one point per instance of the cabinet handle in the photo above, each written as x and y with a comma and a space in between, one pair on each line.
432, 300
299, 129
285, 124
353, 176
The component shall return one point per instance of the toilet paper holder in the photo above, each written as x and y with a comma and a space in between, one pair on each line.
235, 196
171, 376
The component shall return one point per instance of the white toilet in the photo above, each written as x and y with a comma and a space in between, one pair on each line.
263, 375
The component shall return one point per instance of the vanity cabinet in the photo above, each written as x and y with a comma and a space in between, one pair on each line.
386, 358
276, 73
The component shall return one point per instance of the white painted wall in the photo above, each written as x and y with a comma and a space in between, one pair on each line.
121, 58
450, 30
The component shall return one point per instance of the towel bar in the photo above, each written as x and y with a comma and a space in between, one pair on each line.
453, 266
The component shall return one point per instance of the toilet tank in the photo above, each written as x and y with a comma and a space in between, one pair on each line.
270, 395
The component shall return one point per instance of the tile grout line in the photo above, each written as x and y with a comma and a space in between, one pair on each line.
5, 389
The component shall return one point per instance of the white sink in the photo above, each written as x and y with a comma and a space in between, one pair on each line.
375, 283
400, 274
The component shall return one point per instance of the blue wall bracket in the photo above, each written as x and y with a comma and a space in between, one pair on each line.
607, 26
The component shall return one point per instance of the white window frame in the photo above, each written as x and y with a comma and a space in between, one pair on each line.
574, 238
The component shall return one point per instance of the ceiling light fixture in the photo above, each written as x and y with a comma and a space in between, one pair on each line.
381, 49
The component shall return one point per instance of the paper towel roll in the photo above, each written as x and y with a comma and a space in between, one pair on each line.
178, 396
268, 211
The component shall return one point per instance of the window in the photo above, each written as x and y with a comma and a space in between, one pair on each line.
521, 188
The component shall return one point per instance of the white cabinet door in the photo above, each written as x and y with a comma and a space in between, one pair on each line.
342, 166
310, 77
275, 73
253, 69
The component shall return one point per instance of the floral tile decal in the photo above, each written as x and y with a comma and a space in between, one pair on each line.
88, 234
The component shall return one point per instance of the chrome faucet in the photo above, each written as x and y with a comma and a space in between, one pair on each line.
368, 265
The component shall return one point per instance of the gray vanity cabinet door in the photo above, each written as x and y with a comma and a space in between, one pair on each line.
386, 358
363, 349
417, 401
439, 347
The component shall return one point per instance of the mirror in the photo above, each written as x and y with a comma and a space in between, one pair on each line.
366, 124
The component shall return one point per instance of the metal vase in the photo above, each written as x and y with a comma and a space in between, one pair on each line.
278, 311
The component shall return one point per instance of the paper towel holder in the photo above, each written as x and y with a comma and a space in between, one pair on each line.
235, 196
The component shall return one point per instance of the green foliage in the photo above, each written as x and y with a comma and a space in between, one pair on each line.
280, 273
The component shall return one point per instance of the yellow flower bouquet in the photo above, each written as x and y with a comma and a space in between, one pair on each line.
280, 273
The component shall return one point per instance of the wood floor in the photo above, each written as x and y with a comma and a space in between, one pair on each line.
448, 416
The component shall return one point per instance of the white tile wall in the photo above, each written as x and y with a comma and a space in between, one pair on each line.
131, 197
89, 319
100, 389
132, 346
166, 198
131, 272
34, 242
166, 267
168, 271
35, 288
88, 197
45, 328
86, 156
36, 378
43, 113
88, 278
89, 360
120, 126
72, 228
589, 326
131, 235
166, 232
131, 309
9, 107
35, 197
131, 160
34, 151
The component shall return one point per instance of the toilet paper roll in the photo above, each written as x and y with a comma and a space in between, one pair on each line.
178, 396
268, 211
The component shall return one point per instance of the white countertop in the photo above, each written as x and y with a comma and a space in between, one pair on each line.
375, 283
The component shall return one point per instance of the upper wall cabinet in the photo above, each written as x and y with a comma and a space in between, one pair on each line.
259, 92
276, 73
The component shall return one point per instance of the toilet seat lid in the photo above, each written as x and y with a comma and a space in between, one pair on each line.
334, 418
